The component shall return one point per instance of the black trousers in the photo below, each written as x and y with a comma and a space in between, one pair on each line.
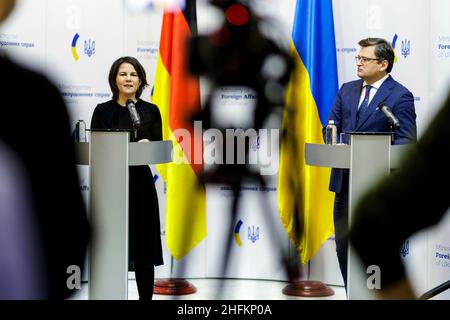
145, 277
341, 230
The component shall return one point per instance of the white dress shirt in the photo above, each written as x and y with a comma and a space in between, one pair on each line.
375, 86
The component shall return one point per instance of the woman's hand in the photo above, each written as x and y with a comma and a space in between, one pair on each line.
143, 140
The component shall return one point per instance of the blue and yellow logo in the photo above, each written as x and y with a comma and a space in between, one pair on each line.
89, 47
74, 47
405, 47
394, 43
237, 228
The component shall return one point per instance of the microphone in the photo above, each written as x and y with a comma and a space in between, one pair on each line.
387, 112
133, 113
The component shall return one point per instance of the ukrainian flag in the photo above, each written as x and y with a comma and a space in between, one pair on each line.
305, 203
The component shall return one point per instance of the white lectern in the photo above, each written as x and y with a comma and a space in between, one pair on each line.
109, 154
369, 156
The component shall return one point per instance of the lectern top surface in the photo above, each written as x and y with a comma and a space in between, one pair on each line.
110, 130
361, 133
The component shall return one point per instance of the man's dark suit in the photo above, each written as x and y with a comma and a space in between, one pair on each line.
344, 113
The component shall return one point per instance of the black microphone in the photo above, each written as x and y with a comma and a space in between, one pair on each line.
387, 112
133, 113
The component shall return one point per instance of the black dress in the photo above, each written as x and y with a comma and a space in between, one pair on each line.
144, 224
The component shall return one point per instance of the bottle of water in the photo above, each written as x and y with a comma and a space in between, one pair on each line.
331, 133
80, 131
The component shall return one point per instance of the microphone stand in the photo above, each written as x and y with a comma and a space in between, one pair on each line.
135, 131
435, 291
392, 128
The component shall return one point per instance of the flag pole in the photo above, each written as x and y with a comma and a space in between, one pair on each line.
307, 288
310, 102
173, 35
173, 286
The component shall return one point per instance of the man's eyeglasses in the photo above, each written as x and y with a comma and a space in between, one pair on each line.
365, 59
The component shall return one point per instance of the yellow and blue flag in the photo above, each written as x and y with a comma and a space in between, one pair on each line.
305, 203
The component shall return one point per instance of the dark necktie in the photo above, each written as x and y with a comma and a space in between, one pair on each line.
364, 104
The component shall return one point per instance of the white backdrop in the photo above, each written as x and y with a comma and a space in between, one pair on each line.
40, 33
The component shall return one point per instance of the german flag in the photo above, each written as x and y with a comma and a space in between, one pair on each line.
177, 94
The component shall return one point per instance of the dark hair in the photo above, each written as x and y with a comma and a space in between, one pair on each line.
115, 69
383, 50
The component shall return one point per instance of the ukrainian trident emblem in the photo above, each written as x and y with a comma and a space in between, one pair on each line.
406, 48
253, 234
89, 47
404, 250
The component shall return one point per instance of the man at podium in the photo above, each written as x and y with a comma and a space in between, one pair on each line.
359, 107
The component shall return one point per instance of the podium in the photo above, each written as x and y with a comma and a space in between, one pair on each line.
109, 154
369, 156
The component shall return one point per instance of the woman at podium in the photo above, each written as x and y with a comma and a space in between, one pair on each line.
127, 111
